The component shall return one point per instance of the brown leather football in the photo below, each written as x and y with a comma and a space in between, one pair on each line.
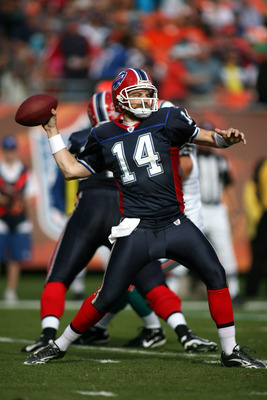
36, 110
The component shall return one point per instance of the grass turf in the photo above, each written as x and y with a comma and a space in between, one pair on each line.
112, 371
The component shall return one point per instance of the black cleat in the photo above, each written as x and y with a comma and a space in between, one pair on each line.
148, 338
240, 358
45, 354
193, 343
42, 342
93, 335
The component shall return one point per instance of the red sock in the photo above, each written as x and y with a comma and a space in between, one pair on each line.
163, 301
53, 300
221, 309
87, 316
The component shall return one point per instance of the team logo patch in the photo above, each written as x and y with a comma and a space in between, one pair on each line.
118, 81
177, 222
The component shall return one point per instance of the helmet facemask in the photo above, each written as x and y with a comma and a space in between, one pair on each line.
143, 111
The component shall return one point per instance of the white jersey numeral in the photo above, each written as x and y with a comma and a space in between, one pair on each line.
144, 154
118, 151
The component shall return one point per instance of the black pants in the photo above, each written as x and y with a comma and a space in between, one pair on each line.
131, 257
87, 229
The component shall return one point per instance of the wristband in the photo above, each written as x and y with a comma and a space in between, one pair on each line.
56, 143
220, 141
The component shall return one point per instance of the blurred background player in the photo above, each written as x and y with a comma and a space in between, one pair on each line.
255, 201
216, 189
16, 196
82, 236
63, 196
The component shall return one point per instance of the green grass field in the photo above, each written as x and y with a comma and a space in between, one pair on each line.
112, 371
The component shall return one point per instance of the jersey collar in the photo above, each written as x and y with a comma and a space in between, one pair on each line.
130, 128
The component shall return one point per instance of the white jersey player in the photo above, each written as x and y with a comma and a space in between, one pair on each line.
215, 178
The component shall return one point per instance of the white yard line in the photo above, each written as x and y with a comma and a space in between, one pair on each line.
143, 352
119, 350
103, 361
91, 393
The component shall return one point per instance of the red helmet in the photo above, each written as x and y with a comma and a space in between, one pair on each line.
101, 109
132, 79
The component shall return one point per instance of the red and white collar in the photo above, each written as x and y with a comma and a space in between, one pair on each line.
129, 126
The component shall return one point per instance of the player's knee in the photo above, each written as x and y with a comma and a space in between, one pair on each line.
105, 302
216, 279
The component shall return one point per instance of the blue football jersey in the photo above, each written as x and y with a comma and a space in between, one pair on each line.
144, 159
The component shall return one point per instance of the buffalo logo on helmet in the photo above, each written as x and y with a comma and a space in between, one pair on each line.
118, 81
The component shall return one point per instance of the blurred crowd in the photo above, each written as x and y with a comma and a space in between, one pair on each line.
202, 52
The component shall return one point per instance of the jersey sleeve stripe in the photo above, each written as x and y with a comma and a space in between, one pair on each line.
196, 132
86, 166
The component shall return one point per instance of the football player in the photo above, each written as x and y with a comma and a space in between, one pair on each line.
142, 151
191, 191
88, 227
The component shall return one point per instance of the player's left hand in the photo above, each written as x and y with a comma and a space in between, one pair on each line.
52, 122
232, 135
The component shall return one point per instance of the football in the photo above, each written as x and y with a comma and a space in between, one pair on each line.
36, 110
